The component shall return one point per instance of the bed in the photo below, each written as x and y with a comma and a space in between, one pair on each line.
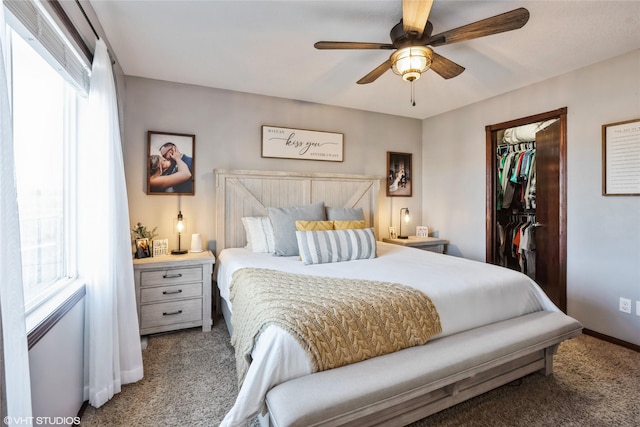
496, 325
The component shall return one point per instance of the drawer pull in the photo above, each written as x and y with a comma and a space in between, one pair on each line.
172, 313
179, 291
171, 276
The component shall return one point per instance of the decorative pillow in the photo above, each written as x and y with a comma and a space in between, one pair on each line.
303, 225
318, 247
259, 233
284, 220
347, 224
344, 213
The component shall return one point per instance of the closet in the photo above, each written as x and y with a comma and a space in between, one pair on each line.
526, 199
516, 197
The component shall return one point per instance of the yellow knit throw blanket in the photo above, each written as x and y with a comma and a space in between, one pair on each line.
337, 321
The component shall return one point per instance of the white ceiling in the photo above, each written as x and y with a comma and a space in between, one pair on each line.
266, 47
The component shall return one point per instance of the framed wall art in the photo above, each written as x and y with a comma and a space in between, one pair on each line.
621, 158
288, 143
170, 163
399, 174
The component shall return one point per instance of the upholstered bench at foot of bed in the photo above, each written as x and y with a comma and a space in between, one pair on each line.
399, 388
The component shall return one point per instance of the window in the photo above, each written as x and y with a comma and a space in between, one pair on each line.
44, 109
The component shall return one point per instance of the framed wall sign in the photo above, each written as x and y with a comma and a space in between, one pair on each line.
170, 163
288, 143
621, 158
160, 247
399, 174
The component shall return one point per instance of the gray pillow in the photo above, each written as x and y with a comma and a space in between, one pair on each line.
344, 214
284, 220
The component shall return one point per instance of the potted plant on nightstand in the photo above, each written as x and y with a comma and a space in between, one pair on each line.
141, 232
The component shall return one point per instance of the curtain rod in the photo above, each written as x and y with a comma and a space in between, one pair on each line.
88, 20
73, 31
57, 7
93, 29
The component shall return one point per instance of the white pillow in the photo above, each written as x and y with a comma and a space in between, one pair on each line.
259, 233
319, 247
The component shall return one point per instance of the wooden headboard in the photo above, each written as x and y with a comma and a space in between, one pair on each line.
242, 193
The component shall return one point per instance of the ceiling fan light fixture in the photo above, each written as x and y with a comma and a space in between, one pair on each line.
410, 62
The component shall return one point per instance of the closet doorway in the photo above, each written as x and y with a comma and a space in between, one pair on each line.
543, 209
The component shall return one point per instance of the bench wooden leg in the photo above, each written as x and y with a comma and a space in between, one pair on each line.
549, 352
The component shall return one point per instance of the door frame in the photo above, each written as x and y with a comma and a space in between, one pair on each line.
491, 132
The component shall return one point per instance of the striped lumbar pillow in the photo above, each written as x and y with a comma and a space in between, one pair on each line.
318, 247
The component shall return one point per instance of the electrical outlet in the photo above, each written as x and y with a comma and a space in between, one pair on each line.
638, 308
625, 305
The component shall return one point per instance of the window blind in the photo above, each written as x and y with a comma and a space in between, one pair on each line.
28, 19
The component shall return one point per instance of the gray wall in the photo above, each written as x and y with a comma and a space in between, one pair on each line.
227, 126
603, 236
449, 163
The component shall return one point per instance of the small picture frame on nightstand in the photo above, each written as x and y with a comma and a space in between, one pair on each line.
142, 248
161, 247
392, 233
422, 231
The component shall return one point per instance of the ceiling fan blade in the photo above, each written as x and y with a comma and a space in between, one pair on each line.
497, 24
352, 45
377, 72
415, 14
446, 68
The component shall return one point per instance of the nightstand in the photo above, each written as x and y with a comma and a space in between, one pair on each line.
174, 291
432, 244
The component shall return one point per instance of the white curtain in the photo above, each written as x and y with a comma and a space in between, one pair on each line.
113, 353
15, 356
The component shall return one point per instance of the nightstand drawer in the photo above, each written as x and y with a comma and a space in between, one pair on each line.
171, 275
169, 313
172, 292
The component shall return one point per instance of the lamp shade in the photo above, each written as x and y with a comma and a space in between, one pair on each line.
180, 225
406, 218
411, 62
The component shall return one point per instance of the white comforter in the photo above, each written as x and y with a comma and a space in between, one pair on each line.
466, 293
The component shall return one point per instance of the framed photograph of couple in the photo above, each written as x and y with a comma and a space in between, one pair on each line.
142, 248
170, 163
399, 174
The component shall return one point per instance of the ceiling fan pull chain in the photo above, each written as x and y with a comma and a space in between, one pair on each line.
413, 95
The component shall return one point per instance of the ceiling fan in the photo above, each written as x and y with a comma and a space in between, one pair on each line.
410, 38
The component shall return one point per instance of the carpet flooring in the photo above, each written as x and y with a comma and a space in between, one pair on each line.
189, 380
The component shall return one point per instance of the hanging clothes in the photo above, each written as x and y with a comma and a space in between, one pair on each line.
516, 206
528, 250
516, 167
